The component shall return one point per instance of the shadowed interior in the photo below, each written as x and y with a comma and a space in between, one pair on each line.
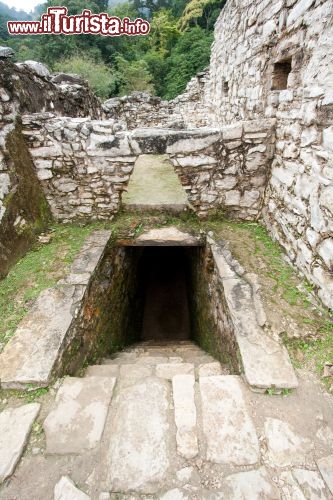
165, 309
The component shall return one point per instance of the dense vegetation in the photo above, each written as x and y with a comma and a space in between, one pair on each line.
177, 47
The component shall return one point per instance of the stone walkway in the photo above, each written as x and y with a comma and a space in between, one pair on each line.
167, 422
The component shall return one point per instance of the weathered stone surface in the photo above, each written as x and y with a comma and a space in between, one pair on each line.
137, 458
15, 426
232, 438
169, 370
167, 236
209, 369
37, 67
102, 371
6, 52
65, 489
185, 415
285, 447
265, 361
311, 484
175, 494
77, 421
325, 465
30, 355
254, 485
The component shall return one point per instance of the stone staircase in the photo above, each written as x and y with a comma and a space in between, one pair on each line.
161, 422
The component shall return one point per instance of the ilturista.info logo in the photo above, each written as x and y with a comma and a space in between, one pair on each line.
57, 22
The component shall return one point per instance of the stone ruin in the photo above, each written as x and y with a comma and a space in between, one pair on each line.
251, 136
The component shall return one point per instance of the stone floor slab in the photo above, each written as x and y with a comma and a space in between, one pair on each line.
311, 484
77, 421
249, 485
284, 446
185, 415
65, 489
15, 427
325, 465
169, 370
228, 428
137, 458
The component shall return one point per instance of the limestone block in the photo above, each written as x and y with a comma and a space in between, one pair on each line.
309, 136
232, 198
65, 489
47, 151
249, 198
232, 438
65, 185
285, 447
43, 164
286, 96
15, 426
325, 250
4, 185
328, 138
326, 198
253, 484
77, 421
228, 182
325, 466
44, 174
268, 28
298, 10
232, 132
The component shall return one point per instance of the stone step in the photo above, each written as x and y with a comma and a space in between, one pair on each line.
163, 370
77, 421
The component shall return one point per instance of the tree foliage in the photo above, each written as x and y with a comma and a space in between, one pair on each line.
177, 47
98, 75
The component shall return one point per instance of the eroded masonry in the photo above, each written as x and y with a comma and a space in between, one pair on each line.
251, 139
251, 136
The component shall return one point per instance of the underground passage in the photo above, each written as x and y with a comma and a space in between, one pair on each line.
157, 294
165, 306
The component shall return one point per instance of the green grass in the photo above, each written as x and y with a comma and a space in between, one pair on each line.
39, 269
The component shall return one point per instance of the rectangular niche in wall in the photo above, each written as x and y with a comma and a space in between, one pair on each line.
280, 74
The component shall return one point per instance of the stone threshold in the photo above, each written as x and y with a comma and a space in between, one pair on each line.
166, 236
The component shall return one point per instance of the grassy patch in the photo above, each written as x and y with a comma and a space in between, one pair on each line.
40, 268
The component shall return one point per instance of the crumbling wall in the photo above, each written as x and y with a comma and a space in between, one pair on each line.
144, 110
85, 165
23, 208
274, 60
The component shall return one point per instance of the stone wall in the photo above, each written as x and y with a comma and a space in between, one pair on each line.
256, 45
144, 110
85, 165
28, 88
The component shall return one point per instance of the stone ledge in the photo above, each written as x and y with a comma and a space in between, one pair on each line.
34, 353
265, 361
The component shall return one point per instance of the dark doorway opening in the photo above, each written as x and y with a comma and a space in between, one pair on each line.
165, 294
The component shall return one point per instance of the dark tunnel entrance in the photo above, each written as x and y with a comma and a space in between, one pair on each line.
164, 286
